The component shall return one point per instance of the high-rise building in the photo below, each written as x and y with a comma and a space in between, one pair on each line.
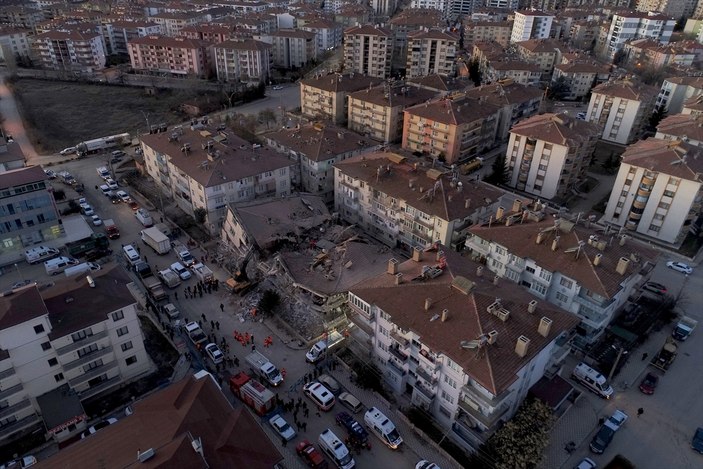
368, 50
431, 52
531, 24
628, 26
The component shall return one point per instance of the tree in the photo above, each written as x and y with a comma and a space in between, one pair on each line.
657, 116
559, 88
499, 174
521, 441
267, 116
475, 72
269, 301
200, 214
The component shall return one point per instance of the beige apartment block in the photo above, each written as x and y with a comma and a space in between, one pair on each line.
293, 47
325, 97
368, 50
172, 23
545, 53
173, 55
480, 31
580, 76
431, 52
407, 21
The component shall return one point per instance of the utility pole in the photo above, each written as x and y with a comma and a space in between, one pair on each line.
621, 352
146, 117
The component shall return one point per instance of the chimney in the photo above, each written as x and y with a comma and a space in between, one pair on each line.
517, 205
532, 306
545, 325
499, 213
439, 254
467, 203
492, 336
597, 259
417, 254
622, 265
522, 345
392, 266
445, 315
540, 237
398, 279
428, 303
555, 244
623, 239
495, 280
90, 280
479, 270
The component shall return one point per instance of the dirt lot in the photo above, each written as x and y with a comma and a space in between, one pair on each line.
60, 114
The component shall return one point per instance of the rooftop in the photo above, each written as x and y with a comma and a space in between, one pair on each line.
673, 157
541, 45
20, 306
21, 176
505, 92
417, 17
168, 41
694, 82
400, 96
511, 64
467, 298
320, 142
682, 126
367, 30
452, 111
248, 44
431, 34
437, 82
294, 33
341, 83
627, 89
556, 128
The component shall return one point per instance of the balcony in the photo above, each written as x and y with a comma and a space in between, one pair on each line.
81, 343
487, 420
88, 358
21, 424
395, 351
402, 341
95, 372
14, 408
425, 375
429, 362
423, 392
7, 373
394, 368
5, 393
107, 384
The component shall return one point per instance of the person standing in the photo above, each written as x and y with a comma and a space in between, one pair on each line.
222, 307
640, 411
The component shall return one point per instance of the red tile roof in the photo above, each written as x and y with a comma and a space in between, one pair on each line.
673, 157
556, 128
627, 90
367, 30
321, 144
21, 176
453, 112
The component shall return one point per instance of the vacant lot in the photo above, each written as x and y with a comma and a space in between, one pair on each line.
60, 114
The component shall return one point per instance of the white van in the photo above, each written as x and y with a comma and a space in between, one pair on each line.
316, 352
144, 217
40, 253
103, 172
320, 395
382, 427
336, 450
593, 380
58, 265
131, 255
84, 268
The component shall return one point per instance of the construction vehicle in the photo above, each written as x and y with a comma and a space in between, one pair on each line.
263, 367
666, 355
240, 283
252, 393
111, 229
97, 243
684, 328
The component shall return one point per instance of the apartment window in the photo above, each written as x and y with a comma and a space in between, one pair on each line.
562, 297
539, 288
530, 269
58, 377
501, 251
131, 360
53, 362
46, 346
496, 264
81, 335
447, 397
86, 350
122, 331
654, 228
453, 365
664, 205
669, 193
445, 412
565, 282
126, 346
546, 275
450, 381
39, 328
117, 315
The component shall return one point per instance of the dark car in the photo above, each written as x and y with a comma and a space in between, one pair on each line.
310, 455
654, 287
602, 439
649, 383
358, 436
697, 443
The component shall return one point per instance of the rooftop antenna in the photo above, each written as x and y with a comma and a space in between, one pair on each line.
576, 249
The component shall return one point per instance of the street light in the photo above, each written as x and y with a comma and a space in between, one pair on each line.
146, 117
19, 272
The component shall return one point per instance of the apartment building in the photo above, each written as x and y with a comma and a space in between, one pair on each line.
464, 348
384, 8
353, 14
503, 4
117, 34
172, 23
203, 168
531, 24
571, 266
583, 34
314, 149
673, 8
404, 203
378, 112
675, 90
11, 155
451, 130
406, 22
28, 212
693, 106
15, 46
69, 50
548, 154
622, 109
63, 346
481, 31
446, 86
327, 33
545, 53
658, 193
515, 101
178, 56
368, 50
293, 47
439, 5
21, 16
628, 26
247, 61
209, 32
431, 52
519, 71
581, 77
325, 97
648, 53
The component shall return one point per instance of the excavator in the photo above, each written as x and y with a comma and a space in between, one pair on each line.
240, 283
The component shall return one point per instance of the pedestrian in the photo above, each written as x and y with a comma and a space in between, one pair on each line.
644, 356
96, 188
252, 338
188, 288
175, 295
146, 260
200, 323
217, 325
297, 425
162, 219
306, 412
236, 361
300, 401
203, 316
640, 411
297, 407
222, 307
305, 406
283, 373
284, 442
201, 293
305, 426
212, 324
318, 413
601, 421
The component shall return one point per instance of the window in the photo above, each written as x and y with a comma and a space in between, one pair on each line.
453, 365
46, 346
539, 288
450, 381
669, 193
545, 274
126, 346
81, 335
562, 297
58, 377
39, 328
383, 331
565, 282
447, 397
53, 362
117, 315
122, 331
530, 269
654, 228
131, 360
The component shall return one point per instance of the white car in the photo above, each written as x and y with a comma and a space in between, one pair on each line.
124, 196
27, 461
680, 267
282, 427
424, 464
68, 151
92, 430
586, 463
87, 210
616, 420
96, 220
181, 271
111, 184
50, 174
215, 354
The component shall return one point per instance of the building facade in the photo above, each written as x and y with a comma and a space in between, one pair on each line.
676, 90
431, 52
325, 97
368, 50
628, 26
531, 24
69, 50
177, 56
247, 61
293, 47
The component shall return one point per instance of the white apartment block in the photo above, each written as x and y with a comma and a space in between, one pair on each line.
626, 27
117, 34
570, 266
622, 109
15, 44
676, 90
204, 168
531, 24
685, 127
440, 5
293, 47
442, 340
368, 50
247, 61
383, 8
548, 154
462, 8
327, 33
69, 50
674, 8
431, 52
85, 338
172, 23
505, 4
657, 193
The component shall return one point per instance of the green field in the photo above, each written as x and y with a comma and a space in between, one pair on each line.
61, 114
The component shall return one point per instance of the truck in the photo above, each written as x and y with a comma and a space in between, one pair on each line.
684, 328
203, 272
261, 366
158, 241
196, 334
666, 356
111, 228
102, 143
152, 284
170, 278
144, 217
94, 246
252, 393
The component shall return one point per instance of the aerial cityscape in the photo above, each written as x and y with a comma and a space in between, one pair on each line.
429, 234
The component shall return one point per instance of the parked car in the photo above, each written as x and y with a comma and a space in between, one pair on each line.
181, 271
697, 442
358, 436
310, 455
96, 220
424, 464
330, 383
68, 151
649, 383
680, 267
602, 439
50, 174
654, 287
98, 426
586, 463
134, 206
282, 428
26, 461
215, 354
616, 420
111, 184
124, 196
87, 210
351, 402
